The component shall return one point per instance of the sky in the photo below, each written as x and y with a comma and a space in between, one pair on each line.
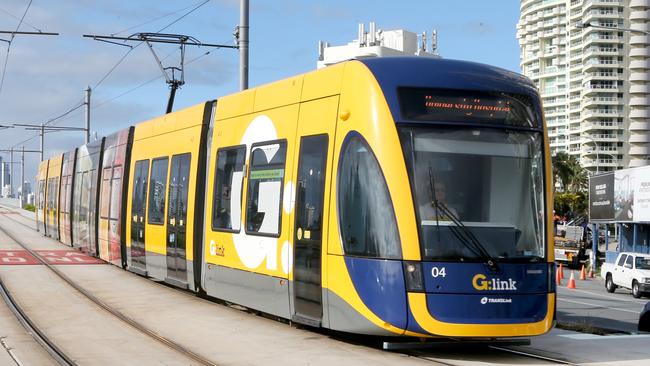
45, 76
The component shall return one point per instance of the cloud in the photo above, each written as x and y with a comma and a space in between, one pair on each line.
48, 75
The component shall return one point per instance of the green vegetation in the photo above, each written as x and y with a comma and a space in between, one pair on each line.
571, 183
29, 207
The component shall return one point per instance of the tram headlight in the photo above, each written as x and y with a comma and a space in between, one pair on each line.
413, 275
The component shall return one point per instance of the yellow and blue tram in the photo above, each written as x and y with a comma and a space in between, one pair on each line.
387, 196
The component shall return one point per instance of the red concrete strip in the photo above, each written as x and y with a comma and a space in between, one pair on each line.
67, 257
17, 257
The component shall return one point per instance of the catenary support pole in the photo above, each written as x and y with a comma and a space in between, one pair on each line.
87, 115
11, 172
22, 178
42, 141
243, 44
635, 235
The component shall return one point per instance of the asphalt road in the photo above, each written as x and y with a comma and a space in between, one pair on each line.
591, 304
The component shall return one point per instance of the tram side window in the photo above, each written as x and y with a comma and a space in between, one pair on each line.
64, 197
264, 197
106, 190
41, 194
229, 176
366, 217
56, 194
157, 189
116, 190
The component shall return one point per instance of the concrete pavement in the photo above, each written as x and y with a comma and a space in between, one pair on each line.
591, 305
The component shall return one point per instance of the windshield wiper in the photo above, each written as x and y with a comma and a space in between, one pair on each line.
460, 231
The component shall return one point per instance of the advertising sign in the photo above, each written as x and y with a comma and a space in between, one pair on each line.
624, 195
642, 194
601, 197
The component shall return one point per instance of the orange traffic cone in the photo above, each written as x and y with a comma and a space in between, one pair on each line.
591, 272
572, 282
583, 275
561, 272
558, 277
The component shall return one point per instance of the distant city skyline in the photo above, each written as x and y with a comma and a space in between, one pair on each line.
46, 76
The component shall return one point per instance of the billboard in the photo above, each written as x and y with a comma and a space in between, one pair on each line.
621, 196
641, 192
624, 195
601, 197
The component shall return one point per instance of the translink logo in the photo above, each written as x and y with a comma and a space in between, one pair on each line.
482, 283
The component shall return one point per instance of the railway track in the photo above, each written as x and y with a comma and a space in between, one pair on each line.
48, 344
489, 355
50, 347
511, 355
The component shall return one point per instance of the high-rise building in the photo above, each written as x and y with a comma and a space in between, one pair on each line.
593, 79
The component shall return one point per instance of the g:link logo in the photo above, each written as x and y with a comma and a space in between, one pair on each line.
482, 283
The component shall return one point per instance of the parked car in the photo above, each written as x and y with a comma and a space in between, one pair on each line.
631, 271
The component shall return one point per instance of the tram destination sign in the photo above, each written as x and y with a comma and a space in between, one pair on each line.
421, 104
601, 197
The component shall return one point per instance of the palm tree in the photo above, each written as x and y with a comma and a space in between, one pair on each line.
568, 171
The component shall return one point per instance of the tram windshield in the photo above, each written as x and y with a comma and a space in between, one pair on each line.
478, 192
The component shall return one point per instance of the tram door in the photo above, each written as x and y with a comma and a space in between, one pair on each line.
139, 202
310, 213
308, 227
177, 218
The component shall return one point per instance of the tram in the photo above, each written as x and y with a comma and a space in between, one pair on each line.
388, 196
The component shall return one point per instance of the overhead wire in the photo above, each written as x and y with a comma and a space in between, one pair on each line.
24, 22
11, 39
66, 115
154, 19
98, 105
137, 45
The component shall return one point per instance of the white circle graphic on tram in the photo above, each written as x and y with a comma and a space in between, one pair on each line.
289, 198
252, 249
287, 257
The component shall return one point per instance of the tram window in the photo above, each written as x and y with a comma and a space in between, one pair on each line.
310, 186
105, 194
41, 194
83, 203
229, 175
56, 194
116, 190
157, 188
367, 220
264, 198
64, 197
492, 191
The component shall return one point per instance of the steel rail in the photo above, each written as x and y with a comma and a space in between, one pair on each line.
532, 355
428, 358
50, 347
126, 319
